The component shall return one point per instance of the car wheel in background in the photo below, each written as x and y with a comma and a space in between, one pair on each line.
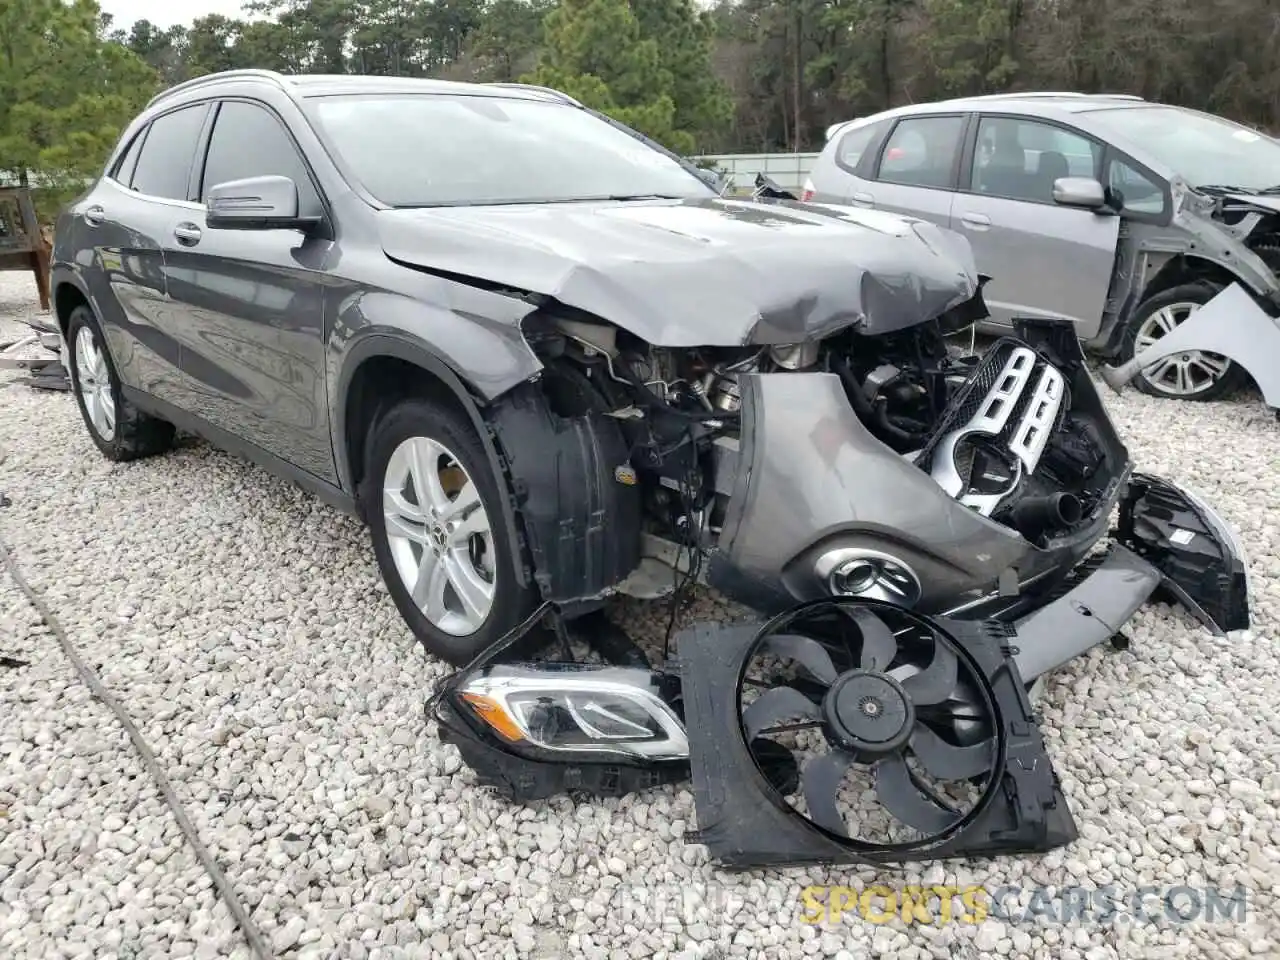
118, 428
432, 504
1193, 375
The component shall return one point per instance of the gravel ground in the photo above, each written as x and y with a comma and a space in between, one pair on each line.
244, 627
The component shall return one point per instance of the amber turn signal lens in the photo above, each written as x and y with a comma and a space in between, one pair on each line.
491, 712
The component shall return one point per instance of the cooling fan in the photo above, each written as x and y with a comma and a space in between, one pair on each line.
895, 703
929, 714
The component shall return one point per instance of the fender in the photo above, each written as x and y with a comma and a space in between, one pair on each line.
411, 351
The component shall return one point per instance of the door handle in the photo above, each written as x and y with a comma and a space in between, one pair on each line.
865, 199
976, 219
95, 216
187, 234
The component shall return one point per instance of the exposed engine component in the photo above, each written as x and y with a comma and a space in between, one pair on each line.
981, 457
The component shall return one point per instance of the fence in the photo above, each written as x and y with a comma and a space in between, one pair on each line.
787, 169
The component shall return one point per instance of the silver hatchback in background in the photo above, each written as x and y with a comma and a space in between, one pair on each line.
1122, 215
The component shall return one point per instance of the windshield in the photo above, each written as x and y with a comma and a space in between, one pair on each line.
1205, 151
418, 150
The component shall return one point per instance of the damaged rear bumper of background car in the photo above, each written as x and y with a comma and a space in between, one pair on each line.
802, 470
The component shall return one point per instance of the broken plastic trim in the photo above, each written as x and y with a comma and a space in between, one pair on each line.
1200, 560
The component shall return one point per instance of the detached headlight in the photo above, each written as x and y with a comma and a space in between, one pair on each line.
577, 709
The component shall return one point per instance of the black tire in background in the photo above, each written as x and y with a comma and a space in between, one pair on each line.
512, 603
135, 434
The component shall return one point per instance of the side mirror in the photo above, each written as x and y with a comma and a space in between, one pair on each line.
256, 203
1079, 192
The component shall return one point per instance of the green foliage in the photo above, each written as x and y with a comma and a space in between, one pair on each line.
66, 92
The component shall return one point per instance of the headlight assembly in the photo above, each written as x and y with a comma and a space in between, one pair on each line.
576, 708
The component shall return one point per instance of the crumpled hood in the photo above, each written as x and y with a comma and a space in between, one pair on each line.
712, 272
1258, 200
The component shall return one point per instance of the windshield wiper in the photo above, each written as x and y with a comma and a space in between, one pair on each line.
1221, 188
642, 196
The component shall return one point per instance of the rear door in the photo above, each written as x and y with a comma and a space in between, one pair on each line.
914, 169
1044, 259
122, 222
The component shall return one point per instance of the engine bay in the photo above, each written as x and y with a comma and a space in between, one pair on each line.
999, 433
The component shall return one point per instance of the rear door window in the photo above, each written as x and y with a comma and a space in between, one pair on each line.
921, 152
164, 163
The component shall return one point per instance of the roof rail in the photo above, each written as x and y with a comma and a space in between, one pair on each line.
558, 94
277, 78
1052, 94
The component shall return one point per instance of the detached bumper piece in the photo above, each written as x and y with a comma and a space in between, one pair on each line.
876, 686
1200, 560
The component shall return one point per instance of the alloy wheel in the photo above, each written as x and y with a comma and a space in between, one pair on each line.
1182, 374
93, 381
439, 535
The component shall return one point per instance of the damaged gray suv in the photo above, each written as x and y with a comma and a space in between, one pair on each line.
547, 363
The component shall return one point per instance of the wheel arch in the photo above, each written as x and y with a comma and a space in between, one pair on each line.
381, 368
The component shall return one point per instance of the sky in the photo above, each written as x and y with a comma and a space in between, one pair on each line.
166, 13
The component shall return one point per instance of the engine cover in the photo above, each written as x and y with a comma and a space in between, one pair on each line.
995, 429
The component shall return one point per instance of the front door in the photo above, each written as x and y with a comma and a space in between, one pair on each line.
1045, 260
253, 301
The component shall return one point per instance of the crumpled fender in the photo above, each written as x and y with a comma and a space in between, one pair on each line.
1231, 324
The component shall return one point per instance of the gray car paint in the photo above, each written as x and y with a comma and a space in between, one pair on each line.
1063, 263
711, 272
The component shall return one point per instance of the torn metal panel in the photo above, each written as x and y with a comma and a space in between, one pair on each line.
710, 272
1231, 324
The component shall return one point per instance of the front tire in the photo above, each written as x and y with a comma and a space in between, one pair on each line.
1193, 375
433, 508
118, 429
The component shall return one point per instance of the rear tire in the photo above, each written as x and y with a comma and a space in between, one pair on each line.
118, 429
433, 507
1194, 375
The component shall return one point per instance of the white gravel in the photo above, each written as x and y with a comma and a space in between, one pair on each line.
243, 625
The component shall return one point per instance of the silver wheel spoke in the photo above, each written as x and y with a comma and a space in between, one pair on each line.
1159, 369
475, 594
464, 503
1215, 367
108, 407
402, 508
400, 526
1184, 377
429, 583
426, 476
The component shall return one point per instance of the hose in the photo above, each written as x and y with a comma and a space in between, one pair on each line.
257, 943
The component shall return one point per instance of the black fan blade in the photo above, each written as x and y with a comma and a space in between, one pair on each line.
774, 706
947, 761
903, 799
820, 778
805, 651
935, 682
879, 646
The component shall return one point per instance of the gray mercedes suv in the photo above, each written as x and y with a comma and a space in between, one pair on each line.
546, 362
1120, 214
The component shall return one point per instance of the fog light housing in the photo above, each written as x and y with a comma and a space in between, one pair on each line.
859, 572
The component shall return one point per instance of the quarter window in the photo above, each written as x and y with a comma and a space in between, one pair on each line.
164, 165
124, 169
1020, 159
1136, 191
921, 152
272, 153
854, 144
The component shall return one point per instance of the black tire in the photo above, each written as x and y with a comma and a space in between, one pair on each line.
135, 434
1199, 293
512, 603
